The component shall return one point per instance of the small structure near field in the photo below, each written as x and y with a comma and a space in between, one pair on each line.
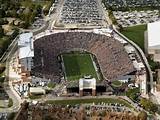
37, 90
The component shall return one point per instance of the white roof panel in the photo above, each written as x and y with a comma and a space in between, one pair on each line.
37, 90
25, 52
25, 45
24, 38
153, 34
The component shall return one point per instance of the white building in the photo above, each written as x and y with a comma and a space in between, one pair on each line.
25, 53
87, 83
152, 40
37, 90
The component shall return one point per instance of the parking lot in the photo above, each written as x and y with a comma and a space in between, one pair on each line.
136, 17
108, 107
39, 22
131, 3
86, 12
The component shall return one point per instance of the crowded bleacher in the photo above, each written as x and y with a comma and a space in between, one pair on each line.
111, 55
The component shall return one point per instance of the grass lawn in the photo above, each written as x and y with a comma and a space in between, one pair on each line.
136, 34
51, 85
77, 65
116, 83
28, 3
133, 93
35, 96
10, 104
95, 100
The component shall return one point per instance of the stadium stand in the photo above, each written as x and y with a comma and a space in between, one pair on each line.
111, 55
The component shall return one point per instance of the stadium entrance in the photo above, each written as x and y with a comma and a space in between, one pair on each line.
87, 85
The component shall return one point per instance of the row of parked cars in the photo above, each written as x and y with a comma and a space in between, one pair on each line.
136, 17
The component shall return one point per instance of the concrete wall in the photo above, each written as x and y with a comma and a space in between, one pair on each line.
27, 63
146, 42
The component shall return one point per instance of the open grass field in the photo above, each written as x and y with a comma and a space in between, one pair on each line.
136, 34
77, 65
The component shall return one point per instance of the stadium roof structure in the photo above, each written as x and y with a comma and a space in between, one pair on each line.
25, 44
103, 31
154, 35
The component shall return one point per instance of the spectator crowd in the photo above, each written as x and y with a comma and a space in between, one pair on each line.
111, 55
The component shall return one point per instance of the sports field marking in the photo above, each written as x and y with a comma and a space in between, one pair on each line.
78, 65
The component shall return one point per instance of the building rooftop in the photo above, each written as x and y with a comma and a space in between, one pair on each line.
25, 44
154, 35
37, 90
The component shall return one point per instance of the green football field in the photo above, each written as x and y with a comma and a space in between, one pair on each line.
77, 65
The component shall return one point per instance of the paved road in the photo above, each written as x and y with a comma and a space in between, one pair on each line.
16, 101
7, 85
56, 15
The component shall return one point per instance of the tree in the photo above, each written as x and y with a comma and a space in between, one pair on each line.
15, 33
153, 108
5, 43
133, 93
148, 105
51, 85
2, 21
32, 16
1, 31
39, 9
111, 16
152, 64
11, 116
26, 18
26, 24
2, 68
2, 13
10, 102
142, 115
120, 27
13, 13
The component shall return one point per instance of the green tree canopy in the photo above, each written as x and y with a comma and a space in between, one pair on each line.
142, 115
1, 31
148, 105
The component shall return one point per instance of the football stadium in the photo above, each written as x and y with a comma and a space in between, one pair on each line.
80, 58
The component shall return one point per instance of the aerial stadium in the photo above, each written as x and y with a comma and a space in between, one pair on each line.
80, 59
